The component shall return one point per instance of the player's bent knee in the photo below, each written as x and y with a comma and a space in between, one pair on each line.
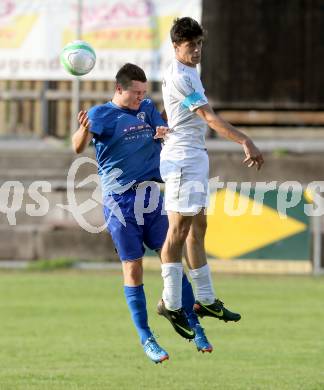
133, 272
195, 240
179, 233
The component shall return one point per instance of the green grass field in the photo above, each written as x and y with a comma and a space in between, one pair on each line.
72, 330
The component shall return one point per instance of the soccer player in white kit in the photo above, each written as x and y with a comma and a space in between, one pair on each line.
184, 168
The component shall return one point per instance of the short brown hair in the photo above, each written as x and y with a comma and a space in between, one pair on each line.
128, 73
185, 29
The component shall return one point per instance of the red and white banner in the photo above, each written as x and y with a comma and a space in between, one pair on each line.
33, 33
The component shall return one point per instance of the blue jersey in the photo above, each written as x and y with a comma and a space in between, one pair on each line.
125, 149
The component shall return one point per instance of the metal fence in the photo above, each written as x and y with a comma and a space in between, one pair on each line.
44, 108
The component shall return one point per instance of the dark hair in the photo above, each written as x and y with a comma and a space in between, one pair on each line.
185, 29
128, 73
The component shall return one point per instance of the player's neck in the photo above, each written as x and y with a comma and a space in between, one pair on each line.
117, 102
184, 62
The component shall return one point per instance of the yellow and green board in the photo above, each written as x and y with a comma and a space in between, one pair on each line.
264, 236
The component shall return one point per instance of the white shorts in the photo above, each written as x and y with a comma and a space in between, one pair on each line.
185, 172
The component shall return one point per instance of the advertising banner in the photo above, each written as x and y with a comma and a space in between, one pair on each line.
33, 33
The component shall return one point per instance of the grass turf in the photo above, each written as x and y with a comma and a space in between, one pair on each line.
72, 330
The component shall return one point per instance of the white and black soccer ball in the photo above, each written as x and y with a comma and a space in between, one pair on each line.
78, 58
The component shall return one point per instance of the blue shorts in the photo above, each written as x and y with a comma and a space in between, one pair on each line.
133, 219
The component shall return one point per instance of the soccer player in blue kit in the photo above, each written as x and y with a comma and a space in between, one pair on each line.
125, 133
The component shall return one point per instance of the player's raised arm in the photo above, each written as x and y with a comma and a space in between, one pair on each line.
253, 155
82, 137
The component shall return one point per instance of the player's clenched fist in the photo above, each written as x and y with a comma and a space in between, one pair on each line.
161, 132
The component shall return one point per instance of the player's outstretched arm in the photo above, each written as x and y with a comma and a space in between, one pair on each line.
253, 155
82, 137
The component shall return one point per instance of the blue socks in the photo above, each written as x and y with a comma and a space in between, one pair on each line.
135, 298
188, 300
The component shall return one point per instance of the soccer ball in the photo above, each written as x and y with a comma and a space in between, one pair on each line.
78, 58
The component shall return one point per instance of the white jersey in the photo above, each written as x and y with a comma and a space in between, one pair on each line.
183, 93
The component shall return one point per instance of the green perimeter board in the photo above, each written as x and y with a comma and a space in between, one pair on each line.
295, 247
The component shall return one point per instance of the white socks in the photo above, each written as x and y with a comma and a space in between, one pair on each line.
202, 280
172, 292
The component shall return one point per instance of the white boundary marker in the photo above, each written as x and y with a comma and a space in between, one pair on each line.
318, 269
